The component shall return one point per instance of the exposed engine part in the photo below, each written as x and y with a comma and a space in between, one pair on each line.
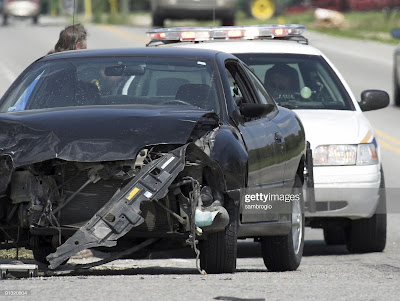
121, 213
25, 188
6, 170
92, 179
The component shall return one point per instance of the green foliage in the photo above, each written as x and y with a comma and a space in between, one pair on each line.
372, 25
12, 254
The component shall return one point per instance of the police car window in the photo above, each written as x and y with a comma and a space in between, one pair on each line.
299, 81
262, 94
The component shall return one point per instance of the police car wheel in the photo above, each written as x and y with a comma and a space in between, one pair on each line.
369, 234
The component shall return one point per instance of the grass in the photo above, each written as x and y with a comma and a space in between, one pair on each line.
12, 254
372, 25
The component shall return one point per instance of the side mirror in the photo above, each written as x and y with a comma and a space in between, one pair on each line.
254, 110
396, 33
373, 100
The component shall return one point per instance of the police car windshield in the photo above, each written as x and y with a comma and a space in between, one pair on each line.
299, 81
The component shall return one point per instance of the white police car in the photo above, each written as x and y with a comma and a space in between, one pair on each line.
350, 202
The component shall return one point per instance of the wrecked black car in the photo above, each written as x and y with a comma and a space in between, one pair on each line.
129, 149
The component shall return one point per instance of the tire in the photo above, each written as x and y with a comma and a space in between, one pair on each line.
261, 9
5, 20
396, 92
157, 20
218, 253
40, 253
35, 20
284, 253
228, 21
369, 234
41, 247
334, 236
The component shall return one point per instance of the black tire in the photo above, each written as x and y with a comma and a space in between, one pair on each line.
40, 253
369, 234
334, 236
5, 20
157, 20
263, 9
228, 21
218, 253
396, 92
35, 19
284, 253
41, 247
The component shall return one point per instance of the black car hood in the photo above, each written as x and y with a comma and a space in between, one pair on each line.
91, 134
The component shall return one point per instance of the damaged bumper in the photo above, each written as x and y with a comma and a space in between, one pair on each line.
122, 212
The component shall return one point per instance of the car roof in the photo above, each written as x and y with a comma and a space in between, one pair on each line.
251, 46
139, 51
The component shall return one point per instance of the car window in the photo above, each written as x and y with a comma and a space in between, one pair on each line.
299, 81
240, 90
116, 81
262, 94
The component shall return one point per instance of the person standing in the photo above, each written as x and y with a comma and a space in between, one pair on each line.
72, 37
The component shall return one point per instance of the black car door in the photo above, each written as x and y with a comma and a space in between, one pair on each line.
263, 139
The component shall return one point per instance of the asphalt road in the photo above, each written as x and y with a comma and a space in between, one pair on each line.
326, 273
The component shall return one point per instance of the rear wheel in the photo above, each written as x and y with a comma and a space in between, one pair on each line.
157, 20
334, 236
219, 252
284, 253
228, 21
5, 19
396, 89
369, 234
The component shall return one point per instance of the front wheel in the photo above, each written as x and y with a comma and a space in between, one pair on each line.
396, 89
369, 234
284, 253
218, 253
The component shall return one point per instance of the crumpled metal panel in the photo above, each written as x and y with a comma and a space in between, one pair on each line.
92, 134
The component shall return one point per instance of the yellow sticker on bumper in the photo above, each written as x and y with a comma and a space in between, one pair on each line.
132, 193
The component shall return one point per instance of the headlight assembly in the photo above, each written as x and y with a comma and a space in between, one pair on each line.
361, 154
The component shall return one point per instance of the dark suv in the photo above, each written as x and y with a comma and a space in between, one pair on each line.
193, 9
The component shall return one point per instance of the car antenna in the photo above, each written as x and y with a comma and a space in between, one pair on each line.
215, 4
73, 23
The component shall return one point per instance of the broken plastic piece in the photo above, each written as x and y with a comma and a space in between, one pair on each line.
152, 182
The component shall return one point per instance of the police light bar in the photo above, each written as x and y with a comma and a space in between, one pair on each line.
250, 32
